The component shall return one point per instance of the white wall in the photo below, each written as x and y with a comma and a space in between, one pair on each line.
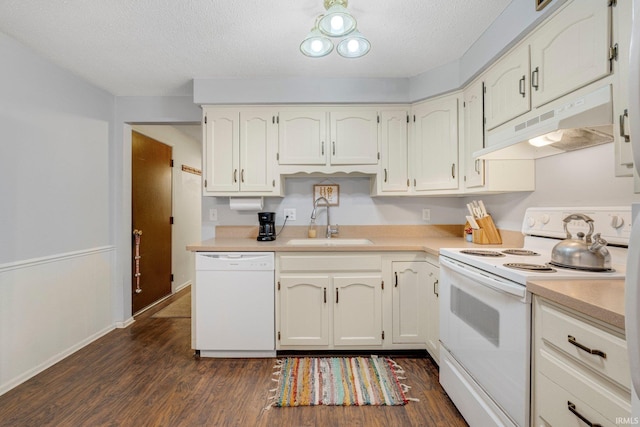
186, 198
56, 251
579, 178
356, 207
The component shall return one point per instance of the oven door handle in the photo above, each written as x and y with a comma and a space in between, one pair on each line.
485, 279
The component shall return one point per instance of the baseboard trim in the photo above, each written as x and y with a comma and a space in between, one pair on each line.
52, 361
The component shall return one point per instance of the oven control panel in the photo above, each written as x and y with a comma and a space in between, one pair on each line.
613, 223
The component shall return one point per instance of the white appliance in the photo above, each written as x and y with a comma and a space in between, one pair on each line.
632, 284
485, 311
234, 304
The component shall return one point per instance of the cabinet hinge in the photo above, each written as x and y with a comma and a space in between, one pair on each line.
464, 104
382, 284
613, 52
205, 183
382, 334
278, 119
277, 156
613, 3
414, 118
484, 88
278, 285
273, 183
171, 220
378, 118
171, 163
378, 155
205, 120
171, 277
407, 118
278, 335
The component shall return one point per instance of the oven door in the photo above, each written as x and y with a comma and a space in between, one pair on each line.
485, 325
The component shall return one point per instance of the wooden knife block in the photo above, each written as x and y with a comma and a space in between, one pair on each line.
487, 234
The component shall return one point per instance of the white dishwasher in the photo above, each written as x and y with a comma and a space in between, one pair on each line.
233, 304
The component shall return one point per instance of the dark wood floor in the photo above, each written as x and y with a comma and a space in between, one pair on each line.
146, 375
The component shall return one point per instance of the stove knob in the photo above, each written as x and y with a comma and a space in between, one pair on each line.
617, 221
545, 219
531, 221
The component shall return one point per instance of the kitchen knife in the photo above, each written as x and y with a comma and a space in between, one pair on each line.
483, 210
472, 222
470, 209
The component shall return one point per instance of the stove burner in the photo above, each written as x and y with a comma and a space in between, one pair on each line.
588, 269
520, 252
480, 252
530, 267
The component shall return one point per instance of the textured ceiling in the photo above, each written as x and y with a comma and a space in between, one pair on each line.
156, 47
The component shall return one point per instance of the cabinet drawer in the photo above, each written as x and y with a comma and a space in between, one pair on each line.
609, 400
576, 337
332, 263
555, 405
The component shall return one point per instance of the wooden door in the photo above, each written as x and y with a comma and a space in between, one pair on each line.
151, 214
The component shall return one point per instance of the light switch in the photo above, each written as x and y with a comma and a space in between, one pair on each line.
426, 215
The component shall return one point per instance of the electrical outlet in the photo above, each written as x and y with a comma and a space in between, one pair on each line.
426, 214
213, 214
291, 213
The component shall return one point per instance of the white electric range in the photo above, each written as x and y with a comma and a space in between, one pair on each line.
485, 310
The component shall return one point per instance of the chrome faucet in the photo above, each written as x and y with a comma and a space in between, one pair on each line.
330, 230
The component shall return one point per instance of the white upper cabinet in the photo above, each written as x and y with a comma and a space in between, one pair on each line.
393, 177
221, 150
239, 152
354, 137
473, 135
570, 50
507, 88
622, 138
302, 137
435, 144
328, 139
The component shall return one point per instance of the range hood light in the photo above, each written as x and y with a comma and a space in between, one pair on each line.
550, 138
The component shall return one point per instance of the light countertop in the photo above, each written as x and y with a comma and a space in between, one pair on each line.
427, 238
601, 299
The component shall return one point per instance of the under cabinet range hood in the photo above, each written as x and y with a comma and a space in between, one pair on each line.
578, 120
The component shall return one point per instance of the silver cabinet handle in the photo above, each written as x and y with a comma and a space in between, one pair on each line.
521, 87
337, 295
322, 150
535, 75
325, 295
572, 340
572, 408
334, 148
436, 288
242, 175
396, 281
385, 174
453, 170
623, 118
235, 175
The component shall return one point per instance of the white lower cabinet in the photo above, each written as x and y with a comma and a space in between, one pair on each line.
415, 304
580, 369
352, 301
329, 301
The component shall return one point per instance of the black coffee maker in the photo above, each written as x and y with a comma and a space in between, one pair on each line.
267, 230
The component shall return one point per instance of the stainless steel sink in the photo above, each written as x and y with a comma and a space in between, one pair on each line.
329, 242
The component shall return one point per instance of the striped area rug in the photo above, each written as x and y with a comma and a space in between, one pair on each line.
348, 381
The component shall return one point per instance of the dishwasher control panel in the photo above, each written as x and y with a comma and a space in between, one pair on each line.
241, 261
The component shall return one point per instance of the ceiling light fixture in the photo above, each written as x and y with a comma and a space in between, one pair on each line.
336, 22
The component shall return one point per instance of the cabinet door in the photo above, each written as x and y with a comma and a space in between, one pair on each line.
302, 137
354, 137
433, 311
258, 138
473, 135
570, 50
435, 143
622, 138
410, 299
304, 312
394, 170
357, 313
507, 88
221, 151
